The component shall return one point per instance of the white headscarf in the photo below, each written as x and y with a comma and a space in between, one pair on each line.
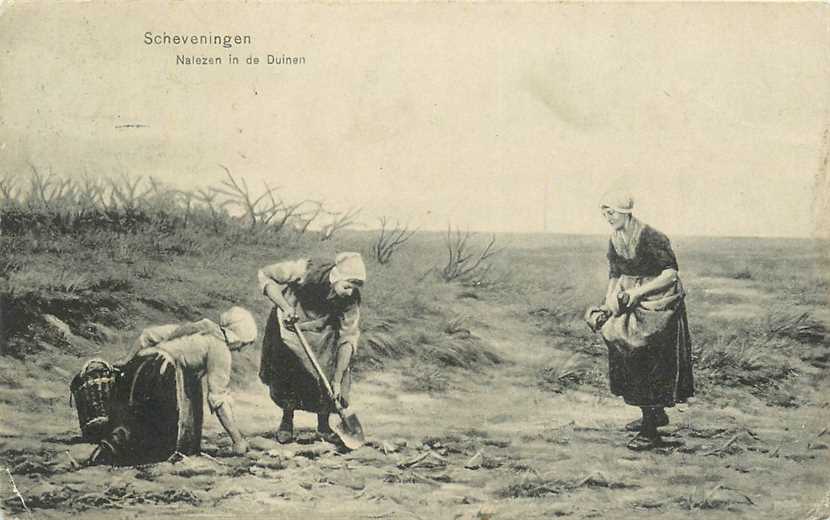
238, 324
348, 266
618, 200
625, 240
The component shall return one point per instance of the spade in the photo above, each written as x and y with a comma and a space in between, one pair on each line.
349, 429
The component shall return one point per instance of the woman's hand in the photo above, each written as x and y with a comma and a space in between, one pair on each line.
336, 388
290, 318
596, 316
629, 299
240, 447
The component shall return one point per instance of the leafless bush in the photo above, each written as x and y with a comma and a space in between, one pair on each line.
9, 191
90, 194
461, 261
390, 240
298, 222
48, 191
304, 220
340, 220
287, 212
125, 194
216, 209
239, 195
268, 211
128, 204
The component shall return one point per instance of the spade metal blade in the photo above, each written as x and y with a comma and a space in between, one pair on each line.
349, 430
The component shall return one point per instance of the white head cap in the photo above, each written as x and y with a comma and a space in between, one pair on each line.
238, 324
619, 201
348, 266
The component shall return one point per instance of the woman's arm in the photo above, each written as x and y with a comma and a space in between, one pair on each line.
346, 345
150, 337
662, 255
225, 415
665, 280
609, 292
273, 280
611, 302
344, 358
274, 293
218, 375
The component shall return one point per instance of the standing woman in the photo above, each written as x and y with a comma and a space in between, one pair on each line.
646, 330
322, 298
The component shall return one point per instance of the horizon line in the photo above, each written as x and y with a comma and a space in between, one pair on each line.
586, 234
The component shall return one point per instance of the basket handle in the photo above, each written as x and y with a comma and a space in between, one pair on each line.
82, 373
98, 360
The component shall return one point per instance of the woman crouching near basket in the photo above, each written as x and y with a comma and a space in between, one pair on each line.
643, 321
157, 407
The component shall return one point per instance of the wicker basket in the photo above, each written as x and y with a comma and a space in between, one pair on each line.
92, 391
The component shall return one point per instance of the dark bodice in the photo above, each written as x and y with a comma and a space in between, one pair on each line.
653, 255
315, 293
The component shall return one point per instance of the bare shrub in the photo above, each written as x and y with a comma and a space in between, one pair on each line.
90, 194
124, 194
257, 215
48, 191
288, 212
239, 195
340, 220
128, 204
9, 191
216, 210
390, 240
461, 261
304, 220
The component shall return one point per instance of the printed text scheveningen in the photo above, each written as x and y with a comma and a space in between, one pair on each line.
225, 40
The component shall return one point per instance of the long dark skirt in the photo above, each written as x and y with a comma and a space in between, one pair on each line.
155, 413
285, 368
659, 374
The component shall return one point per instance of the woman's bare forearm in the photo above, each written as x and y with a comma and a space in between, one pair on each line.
226, 419
612, 284
344, 358
666, 279
274, 293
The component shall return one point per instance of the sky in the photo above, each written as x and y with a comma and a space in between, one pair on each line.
487, 116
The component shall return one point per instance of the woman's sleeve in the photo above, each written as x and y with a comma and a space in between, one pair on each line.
661, 251
350, 327
152, 336
218, 375
189, 329
282, 273
613, 267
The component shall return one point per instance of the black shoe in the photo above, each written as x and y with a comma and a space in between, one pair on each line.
285, 433
329, 436
661, 419
642, 442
